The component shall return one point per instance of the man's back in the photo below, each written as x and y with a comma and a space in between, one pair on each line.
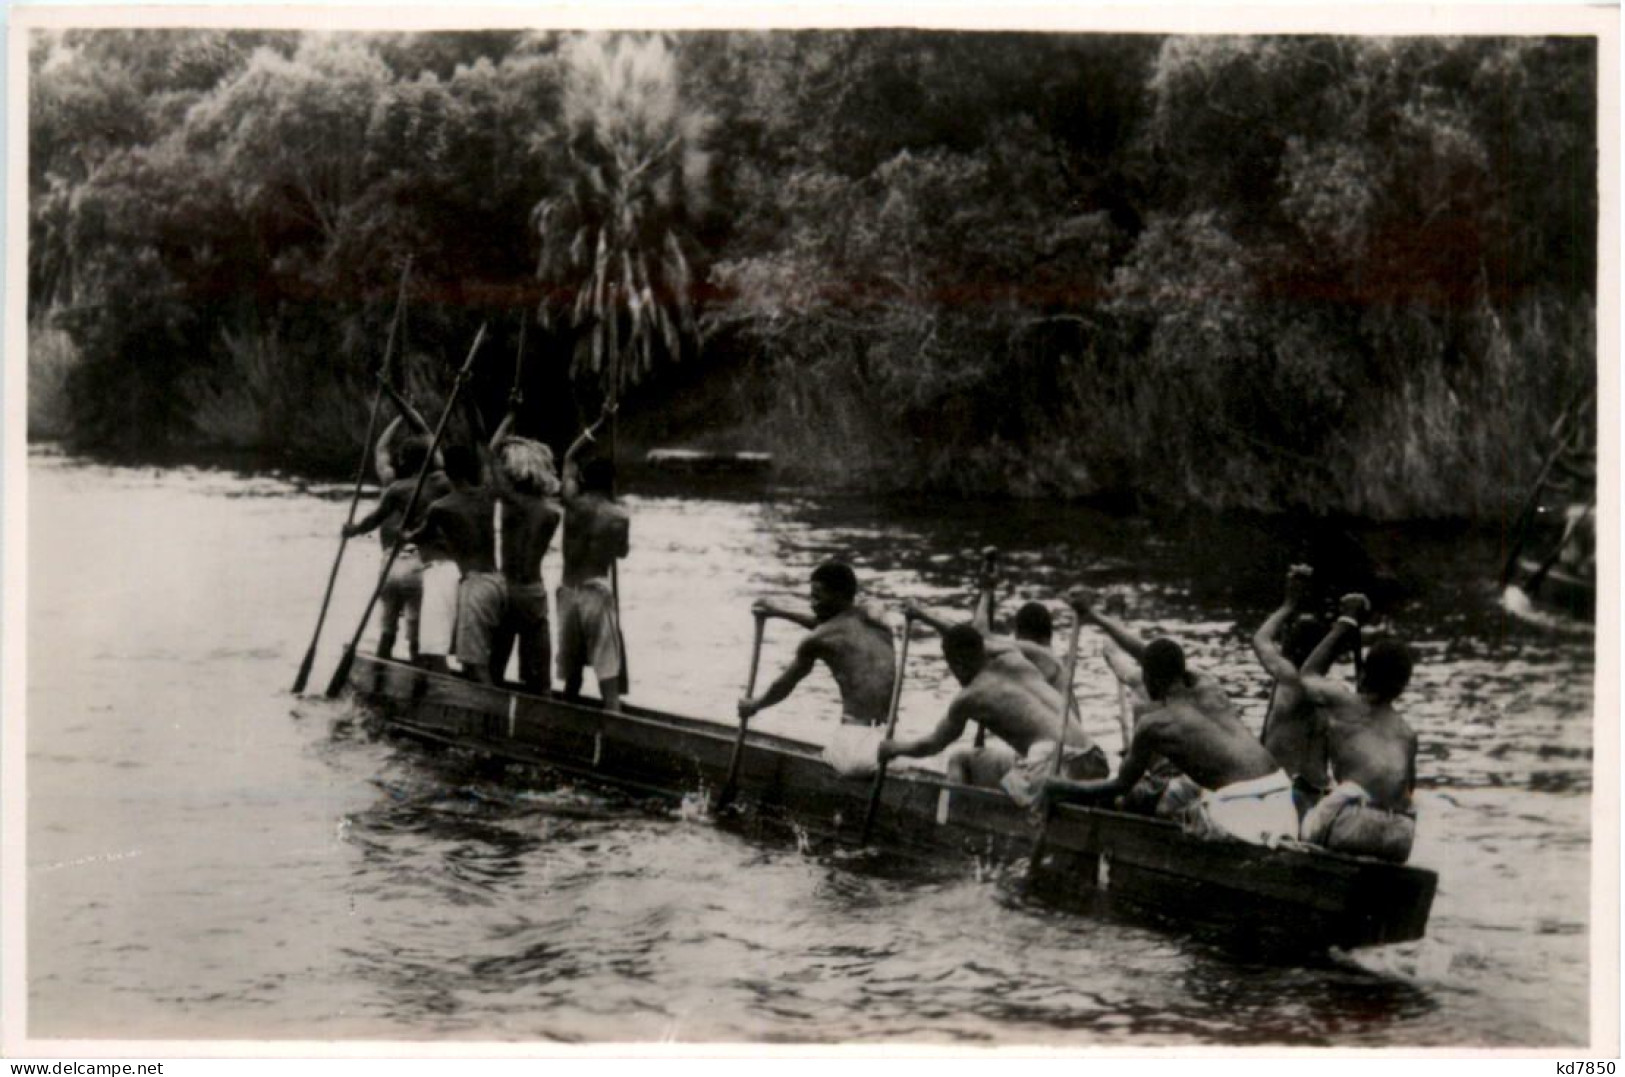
1196, 728
462, 523
529, 522
1292, 734
1014, 701
858, 650
596, 533
1371, 744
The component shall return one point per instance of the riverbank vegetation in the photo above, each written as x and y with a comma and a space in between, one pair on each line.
1350, 275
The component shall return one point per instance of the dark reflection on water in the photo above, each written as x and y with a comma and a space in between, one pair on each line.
207, 859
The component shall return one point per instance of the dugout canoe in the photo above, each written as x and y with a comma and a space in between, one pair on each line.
1293, 898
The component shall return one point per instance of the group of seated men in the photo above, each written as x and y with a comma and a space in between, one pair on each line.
466, 582
1334, 766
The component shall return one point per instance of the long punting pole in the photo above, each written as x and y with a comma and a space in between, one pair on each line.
342, 673
726, 795
891, 731
1060, 749
303, 676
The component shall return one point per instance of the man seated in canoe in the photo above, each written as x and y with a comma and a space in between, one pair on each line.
528, 515
1372, 752
848, 637
1007, 694
1192, 723
402, 594
597, 533
1034, 628
1294, 731
463, 523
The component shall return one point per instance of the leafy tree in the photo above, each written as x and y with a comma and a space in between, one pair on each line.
613, 256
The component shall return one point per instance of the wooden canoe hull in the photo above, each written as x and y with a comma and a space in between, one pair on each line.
1244, 893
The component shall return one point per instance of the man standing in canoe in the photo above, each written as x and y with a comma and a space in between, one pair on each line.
462, 523
1245, 794
1007, 694
528, 515
596, 535
402, 594
1372, 753
853, 641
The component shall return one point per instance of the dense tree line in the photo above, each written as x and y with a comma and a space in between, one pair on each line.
1348, 274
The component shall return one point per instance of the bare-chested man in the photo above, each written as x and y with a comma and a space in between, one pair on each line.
596, 534
849, 638
462, 523
1293, 730
1193, 724
1011, 699
402, 594
1373, 757
528, 513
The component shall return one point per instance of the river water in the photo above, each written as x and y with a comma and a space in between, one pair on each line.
211, 857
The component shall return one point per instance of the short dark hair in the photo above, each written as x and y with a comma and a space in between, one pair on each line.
1163, 664
1302, 639
462, 465
838, 577
1034, 622
1388, 668
598, 475
409, 456
962, 642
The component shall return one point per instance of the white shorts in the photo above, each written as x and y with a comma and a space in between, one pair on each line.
438, 618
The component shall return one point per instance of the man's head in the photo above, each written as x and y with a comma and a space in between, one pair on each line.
834, 588
1387, 671
462, 465
1302, 639
528, 466
963, 648
598, 476
409, 456
1033, 623
1163, 666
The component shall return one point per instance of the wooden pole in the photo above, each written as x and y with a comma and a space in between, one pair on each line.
1060, 748
891, 730
342, 673
303, 677
726, 795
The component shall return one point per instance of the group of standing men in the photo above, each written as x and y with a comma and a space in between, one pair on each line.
1335, 764
466, 583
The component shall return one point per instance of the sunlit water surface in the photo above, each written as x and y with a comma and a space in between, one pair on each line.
209, 856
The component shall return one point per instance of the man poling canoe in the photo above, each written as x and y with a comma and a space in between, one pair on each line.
596, 536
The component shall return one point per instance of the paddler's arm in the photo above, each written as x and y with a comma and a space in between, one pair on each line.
768, 610
1351, 609
408, 412
1083, 604
915, 611
987, 583
386, 505
383, 461
780, 689
950, 729
568, 471
1140, 754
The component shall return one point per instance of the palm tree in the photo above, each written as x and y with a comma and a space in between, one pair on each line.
612, 249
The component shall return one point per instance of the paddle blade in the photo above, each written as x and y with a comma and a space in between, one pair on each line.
342, 674
303, 678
